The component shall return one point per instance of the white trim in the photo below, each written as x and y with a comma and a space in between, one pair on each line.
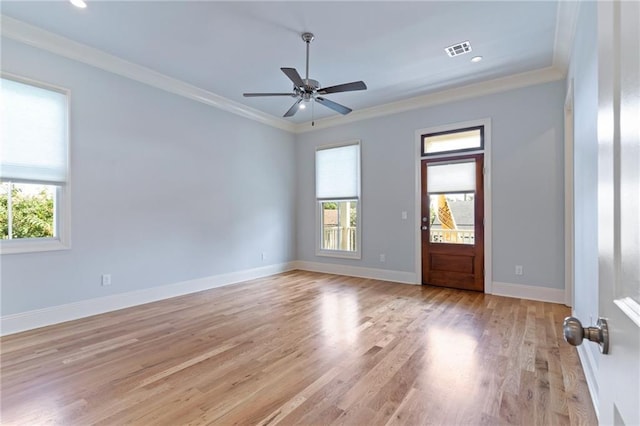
358, 198
356, 271
488, 215
23, 321
568, 197
486, 122
41, 39
630, 308
566, 21
589, 367
417, 206
62, 206
529, 292
530, 78
337, 254
33, 245
62, 46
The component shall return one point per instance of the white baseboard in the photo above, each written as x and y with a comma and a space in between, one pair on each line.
357, 271
520, 291
29, 320
589, 368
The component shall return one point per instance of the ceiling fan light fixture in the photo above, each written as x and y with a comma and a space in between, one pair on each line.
302, 105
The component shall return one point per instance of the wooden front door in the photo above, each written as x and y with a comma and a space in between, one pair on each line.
453, 222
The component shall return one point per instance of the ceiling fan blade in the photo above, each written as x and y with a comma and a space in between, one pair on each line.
293, 109
293, 76
347, 87
253, 95
333, 105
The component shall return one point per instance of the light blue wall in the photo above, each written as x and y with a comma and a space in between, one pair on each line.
527, 185
164, 190
583, 71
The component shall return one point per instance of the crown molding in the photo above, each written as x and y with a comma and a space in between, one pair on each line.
566, 21
498, 85
62, 46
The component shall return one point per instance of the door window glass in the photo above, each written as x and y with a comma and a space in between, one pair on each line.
452, 218
451, 190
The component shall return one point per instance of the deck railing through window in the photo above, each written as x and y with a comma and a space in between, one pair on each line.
339, 238
453, 236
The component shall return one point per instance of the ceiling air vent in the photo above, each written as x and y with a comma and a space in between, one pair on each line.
458, 49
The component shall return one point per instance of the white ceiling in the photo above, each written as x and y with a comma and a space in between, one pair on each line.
396, 48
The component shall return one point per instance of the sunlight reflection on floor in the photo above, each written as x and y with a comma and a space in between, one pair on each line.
340, 313
451, 357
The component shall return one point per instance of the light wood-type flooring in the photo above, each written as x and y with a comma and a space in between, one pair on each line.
302, 348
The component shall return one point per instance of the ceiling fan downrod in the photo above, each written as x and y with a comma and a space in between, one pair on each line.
307, 38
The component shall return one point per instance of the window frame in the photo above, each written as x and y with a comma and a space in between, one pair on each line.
423, 153
343, 254
62, 200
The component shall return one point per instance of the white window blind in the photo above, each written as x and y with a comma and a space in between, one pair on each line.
34, 133
338, 172
453, 177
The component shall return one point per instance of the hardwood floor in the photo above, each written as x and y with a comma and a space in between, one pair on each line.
302, 348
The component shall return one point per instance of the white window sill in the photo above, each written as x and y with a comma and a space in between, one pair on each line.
31, 245
339, 254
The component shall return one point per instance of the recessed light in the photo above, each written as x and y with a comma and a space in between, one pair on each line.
476, 59
79, 3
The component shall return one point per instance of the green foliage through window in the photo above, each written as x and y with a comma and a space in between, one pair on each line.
32, 210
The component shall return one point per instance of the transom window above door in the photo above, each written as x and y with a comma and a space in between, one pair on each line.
453, 141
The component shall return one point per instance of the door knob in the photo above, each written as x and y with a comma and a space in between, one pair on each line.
574, 333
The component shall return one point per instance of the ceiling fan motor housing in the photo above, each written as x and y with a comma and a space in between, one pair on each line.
311, 85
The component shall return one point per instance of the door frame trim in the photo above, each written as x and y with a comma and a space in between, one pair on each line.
486, 122
569, 264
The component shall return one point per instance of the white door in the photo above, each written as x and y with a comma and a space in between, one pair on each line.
618, 209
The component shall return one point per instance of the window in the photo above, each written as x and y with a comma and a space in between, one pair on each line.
460, 140
338, 200
33, 167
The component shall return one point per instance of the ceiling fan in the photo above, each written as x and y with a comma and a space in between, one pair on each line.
307, 90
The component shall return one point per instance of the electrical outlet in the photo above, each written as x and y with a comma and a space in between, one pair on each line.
106, 279
404, 215
519, 270
383, 257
